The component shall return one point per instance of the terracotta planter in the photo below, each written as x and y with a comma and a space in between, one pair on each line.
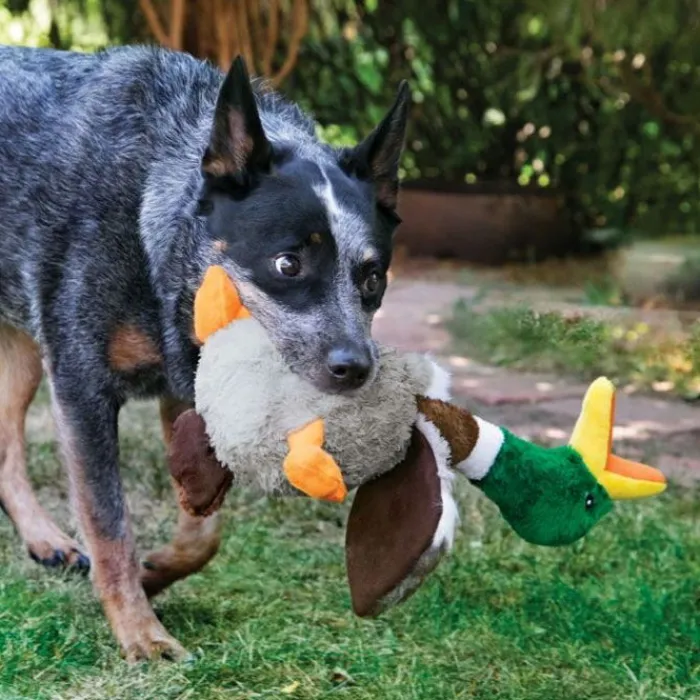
488, 224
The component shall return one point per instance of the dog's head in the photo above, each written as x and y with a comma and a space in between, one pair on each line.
305, 230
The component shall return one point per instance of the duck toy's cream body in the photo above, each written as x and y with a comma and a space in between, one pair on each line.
397, 439
252, 404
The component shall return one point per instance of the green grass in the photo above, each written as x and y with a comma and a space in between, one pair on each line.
603, 292
615, 616
582, 346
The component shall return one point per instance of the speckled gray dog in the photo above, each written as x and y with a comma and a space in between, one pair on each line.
123, 176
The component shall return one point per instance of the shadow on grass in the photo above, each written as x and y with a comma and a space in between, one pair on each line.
615, 616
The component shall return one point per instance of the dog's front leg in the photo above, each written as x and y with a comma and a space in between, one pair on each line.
86, 418
196, 540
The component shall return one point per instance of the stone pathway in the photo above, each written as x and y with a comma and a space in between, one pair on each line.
540, 407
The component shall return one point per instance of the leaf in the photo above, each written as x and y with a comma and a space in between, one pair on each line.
530, 92
368, 72
17, 7
291, 688
529, 78
494, 117
535, 25
651, 129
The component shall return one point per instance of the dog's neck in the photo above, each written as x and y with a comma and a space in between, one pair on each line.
178, 257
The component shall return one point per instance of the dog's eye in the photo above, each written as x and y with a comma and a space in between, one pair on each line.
590, 501
288, 265
372, 283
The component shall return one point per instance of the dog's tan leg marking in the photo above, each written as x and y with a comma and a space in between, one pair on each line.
116, 579
20, 374
196, 540
131, 349
115, 569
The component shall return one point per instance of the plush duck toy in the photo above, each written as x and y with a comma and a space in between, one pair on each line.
397, 438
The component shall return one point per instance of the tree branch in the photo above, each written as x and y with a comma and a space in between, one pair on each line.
243, 32
300, 19
222, 35
273, 24
652, 100
177, 23
206, 35
256, 29
154, 23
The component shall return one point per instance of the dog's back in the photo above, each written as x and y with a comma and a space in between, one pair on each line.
33, 90
79, 134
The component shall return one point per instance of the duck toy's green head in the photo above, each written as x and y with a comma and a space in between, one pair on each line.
401, 524
554, 496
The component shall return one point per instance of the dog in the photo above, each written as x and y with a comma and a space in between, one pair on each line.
123, 176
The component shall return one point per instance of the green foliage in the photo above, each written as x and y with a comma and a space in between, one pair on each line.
520, 337
599, 100
602, 104
582, 346
82, 25
605, 292
20, 24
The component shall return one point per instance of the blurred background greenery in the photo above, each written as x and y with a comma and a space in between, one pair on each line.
596, 98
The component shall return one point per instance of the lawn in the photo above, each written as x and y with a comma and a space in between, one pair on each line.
615, 616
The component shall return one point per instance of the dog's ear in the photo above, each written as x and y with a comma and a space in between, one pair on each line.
400, 525
377, 158
238, 143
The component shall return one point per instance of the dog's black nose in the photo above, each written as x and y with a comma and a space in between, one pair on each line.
349, 366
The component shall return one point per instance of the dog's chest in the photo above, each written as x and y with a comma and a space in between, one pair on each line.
145, 383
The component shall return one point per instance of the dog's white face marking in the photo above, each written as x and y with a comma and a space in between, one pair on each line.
349, 229
352, 234
370, 253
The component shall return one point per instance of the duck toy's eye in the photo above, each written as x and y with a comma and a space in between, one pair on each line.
590, 501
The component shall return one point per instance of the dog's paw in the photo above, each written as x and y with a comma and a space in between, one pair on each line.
150, 643
49, 547
75, 560
196, 542
157, 575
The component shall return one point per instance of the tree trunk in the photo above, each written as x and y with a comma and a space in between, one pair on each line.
267, 33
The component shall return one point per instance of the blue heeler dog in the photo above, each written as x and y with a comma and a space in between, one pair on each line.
123, 176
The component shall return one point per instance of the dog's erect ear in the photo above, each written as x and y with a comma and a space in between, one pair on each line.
201, 480
400, 525
238, 142
377, 158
